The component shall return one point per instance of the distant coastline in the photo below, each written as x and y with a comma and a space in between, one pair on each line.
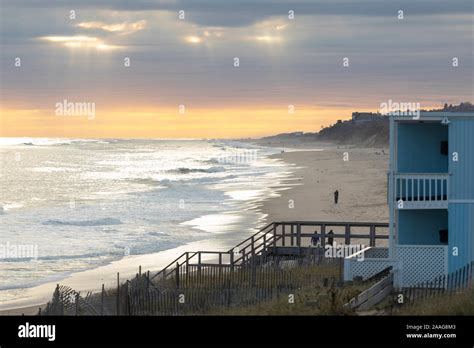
365, 129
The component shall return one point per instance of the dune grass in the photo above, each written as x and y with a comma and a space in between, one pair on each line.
458, 303
311, 289
307, 300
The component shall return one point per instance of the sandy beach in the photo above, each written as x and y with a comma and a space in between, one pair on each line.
358, 174
360, 180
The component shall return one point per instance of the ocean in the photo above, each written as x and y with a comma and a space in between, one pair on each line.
72, 205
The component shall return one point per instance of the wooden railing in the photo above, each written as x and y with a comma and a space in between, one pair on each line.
292, 233
276, 235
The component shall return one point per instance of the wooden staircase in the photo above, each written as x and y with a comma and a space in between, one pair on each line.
287, 238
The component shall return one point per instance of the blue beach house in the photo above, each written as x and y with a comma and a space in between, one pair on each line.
430, 198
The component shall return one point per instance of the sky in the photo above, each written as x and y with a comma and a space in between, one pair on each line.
182, 82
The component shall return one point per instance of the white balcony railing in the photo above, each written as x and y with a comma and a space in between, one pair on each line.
421, 191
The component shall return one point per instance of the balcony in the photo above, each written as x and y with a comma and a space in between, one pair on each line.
421, 191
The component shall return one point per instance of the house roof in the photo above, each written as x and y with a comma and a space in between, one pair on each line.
433, 116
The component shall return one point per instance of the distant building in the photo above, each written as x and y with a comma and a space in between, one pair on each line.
361, 117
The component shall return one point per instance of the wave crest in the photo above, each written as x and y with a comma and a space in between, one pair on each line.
98, 222
184, 170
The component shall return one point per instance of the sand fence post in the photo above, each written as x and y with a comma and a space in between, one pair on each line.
253, 263
127, 298
147, 280
102, 300
117, 310
77, 303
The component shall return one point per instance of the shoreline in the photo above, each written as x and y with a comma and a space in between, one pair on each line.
309, 186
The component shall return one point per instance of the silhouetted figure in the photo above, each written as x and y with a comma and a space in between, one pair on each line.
336, 197
330, 238
315, 241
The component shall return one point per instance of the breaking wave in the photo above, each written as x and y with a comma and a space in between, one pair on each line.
98, 222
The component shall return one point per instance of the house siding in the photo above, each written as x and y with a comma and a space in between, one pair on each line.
461, 185
461, 141
461, 235
419, 148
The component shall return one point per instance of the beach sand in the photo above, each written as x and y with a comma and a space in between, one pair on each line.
361, 181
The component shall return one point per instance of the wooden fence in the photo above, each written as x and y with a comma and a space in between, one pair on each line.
212, 288
453, 282
267, 264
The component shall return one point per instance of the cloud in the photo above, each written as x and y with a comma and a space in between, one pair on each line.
232, 13
79, 42
267, 38
193, 39
120, 28
190, 61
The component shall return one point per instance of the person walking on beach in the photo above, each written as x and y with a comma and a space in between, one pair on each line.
330, 238
336, 196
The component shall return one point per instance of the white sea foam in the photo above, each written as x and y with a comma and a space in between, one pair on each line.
45, 141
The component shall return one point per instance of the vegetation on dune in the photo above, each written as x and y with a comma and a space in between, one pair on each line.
307, 301
457, 303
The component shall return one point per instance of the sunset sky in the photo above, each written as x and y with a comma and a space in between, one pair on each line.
190, 62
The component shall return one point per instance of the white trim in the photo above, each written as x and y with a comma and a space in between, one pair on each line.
391, 180
422, 246
424, 205
433, 116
